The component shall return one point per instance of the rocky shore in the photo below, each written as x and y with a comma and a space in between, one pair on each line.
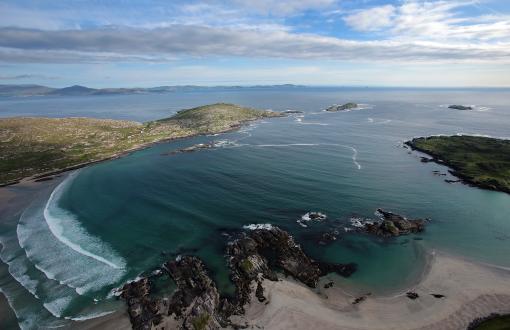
255, 256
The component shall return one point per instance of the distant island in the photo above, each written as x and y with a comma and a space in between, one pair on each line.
460, 107
480, 161
77, 90
346, 106
34, 147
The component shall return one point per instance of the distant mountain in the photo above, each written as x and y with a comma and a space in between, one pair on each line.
24, 90
77, 90
73, 90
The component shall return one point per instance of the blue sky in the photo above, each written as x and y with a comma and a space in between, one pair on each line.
129, 43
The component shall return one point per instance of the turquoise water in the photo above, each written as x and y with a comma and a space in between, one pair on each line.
108, 223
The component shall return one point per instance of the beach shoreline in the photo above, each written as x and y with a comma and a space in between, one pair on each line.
470, 290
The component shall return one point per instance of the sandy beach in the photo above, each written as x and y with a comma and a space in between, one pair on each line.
471, 290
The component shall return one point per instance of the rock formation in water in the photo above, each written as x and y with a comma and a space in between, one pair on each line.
343, 107
394, 225
460, 107
255, 255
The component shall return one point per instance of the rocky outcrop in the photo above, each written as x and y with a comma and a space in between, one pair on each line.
195, 304
144, 310
460, 107
196, 301
195, 147
255, 256
394, 225
343, 107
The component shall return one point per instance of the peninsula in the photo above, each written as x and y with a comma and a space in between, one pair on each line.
34, 147
481, 161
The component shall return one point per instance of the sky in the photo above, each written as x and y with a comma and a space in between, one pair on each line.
135, 43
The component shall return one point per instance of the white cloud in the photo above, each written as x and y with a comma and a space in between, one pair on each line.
431, 20
371, 19
283, 7
178, 41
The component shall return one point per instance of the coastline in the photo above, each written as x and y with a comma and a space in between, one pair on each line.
124, 153
454, 170
471, 290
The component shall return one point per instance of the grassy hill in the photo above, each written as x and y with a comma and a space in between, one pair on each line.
33, 146
481, 161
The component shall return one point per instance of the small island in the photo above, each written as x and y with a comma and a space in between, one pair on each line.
460, 107
481, 161
37, 147
343, 107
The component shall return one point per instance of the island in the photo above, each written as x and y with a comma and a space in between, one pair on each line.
481, 161
460, 107
37, 147
343, 107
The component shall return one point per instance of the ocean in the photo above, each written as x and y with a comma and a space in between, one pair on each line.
81, 236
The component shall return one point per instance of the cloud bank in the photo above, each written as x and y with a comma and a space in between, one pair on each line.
163, 44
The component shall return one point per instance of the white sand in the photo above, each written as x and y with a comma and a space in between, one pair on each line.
471, 290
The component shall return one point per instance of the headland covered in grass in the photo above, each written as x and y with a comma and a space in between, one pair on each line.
31, 147
481, 161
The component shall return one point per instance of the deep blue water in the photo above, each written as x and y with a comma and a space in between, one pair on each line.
109, 222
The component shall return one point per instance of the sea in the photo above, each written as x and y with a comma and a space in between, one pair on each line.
73, 241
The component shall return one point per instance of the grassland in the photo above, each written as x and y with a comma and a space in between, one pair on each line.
31, 147
481, 161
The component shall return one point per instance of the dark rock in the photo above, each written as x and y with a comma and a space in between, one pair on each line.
438, 296
343, 107
426, 160
144, 311
328, 285
361, 299
394, 225
460, 107
259, 292
262, 250
412, 295
195, 303
196, 300
452, 181
292, 111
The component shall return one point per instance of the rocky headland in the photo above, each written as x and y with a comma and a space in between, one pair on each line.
257, 255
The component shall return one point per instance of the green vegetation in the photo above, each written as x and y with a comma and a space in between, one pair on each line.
246, 265
496, 323
34, 146
481, 161
200, 322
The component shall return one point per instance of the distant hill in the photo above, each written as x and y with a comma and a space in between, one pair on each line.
77, 90
24, 90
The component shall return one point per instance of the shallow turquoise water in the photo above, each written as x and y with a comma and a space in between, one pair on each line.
110, 222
